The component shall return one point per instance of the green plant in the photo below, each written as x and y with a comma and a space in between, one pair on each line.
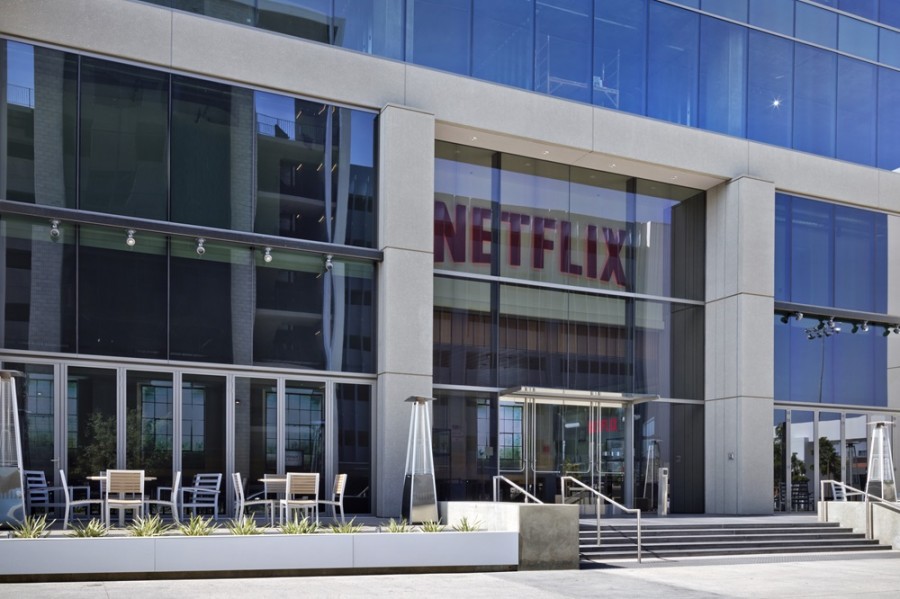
148, 527
244, 526
432, 526
402, 526
299, 527
33, 527
465, 526
346, 527
198, 526
94, 528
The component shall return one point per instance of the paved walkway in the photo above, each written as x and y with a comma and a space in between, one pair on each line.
808, 576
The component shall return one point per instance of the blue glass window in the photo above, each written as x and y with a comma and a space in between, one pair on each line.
815, 83
770, 73
440, 34
855, 268
774, 16
723, 79
562, 58
782, 248
889, 47
858, 38
620, 54
863, 8
370, 26
816, 25
672, 73
889, 13
307, 19
812, 252
503, 41
856, 90
888, 119
733, 9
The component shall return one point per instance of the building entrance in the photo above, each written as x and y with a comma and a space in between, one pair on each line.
547, 433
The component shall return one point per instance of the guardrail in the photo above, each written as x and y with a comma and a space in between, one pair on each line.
600, 496
849, 491
499, 478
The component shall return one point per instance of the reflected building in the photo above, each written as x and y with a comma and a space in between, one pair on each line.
607, 236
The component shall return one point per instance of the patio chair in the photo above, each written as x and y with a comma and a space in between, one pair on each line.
241, 503
124, 491
171, 502
72, 503
38, 494
203, 494
301, 493
337, 496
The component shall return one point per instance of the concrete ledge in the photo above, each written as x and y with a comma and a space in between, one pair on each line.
548, 533
852, 514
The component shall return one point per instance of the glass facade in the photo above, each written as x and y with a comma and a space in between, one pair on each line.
830, 258
793, 73
582, 245
108, 138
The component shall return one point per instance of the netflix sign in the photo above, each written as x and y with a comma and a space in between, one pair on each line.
533, 243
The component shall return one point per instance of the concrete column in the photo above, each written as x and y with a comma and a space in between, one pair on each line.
405, 289
893, 341
739, 385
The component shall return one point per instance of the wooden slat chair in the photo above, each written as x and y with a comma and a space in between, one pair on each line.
241, 503
301, 493
124, 491
337, 496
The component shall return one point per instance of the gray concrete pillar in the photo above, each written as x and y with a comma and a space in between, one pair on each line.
893, 349
405, 289
739, 386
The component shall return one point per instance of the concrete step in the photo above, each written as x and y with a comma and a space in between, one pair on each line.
673, 540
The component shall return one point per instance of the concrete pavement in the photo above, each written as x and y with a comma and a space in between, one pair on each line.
818, 576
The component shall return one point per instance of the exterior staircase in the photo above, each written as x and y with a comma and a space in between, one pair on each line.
671, 539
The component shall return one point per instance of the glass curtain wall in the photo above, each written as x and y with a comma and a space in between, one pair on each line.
36, 393
203, 430
464, 439
91, 417
149, 419
354, 444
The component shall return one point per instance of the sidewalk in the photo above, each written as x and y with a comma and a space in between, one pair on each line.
818, 576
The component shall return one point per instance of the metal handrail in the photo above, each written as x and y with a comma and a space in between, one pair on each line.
498, 478
600, 496
868, 499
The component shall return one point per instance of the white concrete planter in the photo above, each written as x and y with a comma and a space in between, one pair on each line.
321, 551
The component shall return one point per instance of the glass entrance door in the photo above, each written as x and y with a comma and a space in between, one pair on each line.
542, 439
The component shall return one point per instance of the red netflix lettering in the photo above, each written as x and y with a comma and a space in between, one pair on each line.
444, 230
539, 241
480, 236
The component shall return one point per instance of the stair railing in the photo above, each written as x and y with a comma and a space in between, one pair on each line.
500, 478
848, 491
598, 497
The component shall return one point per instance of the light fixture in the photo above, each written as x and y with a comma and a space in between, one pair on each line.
54, 230
785, 318
200, 249
832, 326
798, 315
896, 329
130, 240
328, 263
267, 257
863, 326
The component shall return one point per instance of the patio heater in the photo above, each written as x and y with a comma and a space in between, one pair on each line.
12, 506
419, 492
880, 477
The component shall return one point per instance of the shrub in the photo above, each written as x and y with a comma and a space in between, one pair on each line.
244, 526
33, 527
94, 528
299, 527
148, 527
465, 526
198, 526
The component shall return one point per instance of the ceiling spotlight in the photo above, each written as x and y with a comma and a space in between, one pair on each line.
785, 318
328, 263
130, 240
863, 326
896, 329
54, 230
267, 257
832, 326
798, 315
200, 249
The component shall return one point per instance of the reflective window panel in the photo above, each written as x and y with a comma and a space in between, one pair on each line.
37, 409
255, 430
149, 418
463, 333
354, 444
203, 427
304, 427
780, 462
90, 422
464, 434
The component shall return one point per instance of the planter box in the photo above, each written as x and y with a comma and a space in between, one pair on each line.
130, 556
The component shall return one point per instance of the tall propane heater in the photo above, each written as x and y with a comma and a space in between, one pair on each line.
880, 478
419, 491
12, 506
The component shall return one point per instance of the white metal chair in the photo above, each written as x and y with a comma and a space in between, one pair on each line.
124, 491
72, 503
171, 502
337, 496
203, 494
301, 493
38, 494
241, 503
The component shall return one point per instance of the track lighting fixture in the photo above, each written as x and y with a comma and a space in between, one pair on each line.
328, 263
860, 326
200, 249
54, 230
130, 240
267, 257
